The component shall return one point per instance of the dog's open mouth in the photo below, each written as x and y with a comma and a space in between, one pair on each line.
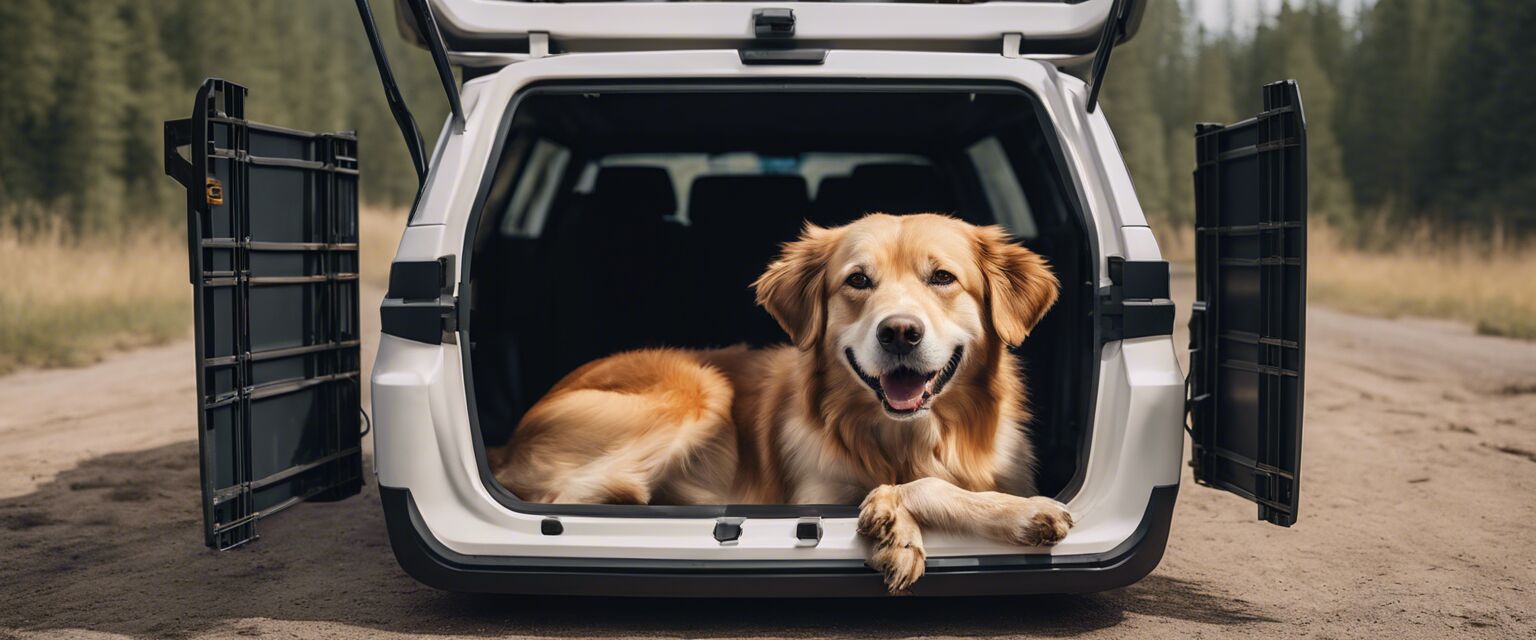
905, 391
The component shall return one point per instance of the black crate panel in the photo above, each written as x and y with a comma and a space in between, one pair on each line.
279, 208
275, 278
1248, 327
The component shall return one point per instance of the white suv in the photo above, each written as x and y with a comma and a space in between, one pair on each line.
649, 157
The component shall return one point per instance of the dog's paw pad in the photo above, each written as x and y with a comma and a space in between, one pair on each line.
900, 564
1045, 524
878, 513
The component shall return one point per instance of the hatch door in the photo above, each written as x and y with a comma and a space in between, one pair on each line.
272, 246
475, 30
1248, 327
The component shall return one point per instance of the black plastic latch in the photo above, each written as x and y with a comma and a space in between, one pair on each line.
774, 30
1137, 303
808, 532
420, 304
551, 527
419, 280
728, 530
773, 23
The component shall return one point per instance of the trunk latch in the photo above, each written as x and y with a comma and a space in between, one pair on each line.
773, 23
808, 531
775, 40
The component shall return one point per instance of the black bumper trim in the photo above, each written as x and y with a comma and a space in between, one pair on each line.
428, 561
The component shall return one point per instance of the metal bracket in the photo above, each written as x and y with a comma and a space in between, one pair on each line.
538, 44
1013, 43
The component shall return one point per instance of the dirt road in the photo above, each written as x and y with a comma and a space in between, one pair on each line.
1419, 494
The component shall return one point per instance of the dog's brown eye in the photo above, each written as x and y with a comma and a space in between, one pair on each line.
941, 277
859, 281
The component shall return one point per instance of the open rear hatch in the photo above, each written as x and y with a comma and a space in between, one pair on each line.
476, 30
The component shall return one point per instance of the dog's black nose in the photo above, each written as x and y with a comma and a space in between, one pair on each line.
899, 335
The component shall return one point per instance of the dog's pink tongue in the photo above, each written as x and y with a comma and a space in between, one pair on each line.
903, 391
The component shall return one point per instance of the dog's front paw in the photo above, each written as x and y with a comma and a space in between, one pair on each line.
1041, 522
896, 542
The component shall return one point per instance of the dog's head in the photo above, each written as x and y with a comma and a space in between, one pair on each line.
903, 300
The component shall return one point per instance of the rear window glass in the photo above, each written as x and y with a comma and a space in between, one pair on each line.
536, 190
1001, 185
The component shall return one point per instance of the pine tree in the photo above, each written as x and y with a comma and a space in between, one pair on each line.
28, 62
1287, 51
86, 138
1213, 89
149, 101
1483, 172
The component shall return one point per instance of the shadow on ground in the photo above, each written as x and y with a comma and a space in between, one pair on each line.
114, 545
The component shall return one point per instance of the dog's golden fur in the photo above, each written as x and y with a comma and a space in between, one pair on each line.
797, 424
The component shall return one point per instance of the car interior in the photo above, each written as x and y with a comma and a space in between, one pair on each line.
621, 218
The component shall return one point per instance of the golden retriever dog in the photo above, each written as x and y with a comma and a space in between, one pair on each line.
898, 390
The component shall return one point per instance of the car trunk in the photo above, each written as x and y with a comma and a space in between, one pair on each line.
625, 216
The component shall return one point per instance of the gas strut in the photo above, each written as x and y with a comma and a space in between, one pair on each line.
407, 123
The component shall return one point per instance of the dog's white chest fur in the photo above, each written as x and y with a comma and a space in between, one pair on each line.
822, 476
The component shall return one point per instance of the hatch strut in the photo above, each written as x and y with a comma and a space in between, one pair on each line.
429, 32
1114, 30
397, 106
392, 95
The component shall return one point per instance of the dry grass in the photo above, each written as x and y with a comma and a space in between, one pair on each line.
1489, 285
68, 301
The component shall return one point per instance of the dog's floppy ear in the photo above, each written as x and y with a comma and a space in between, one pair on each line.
793, 287
1019, 284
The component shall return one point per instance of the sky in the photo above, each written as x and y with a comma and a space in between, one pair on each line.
1246, 13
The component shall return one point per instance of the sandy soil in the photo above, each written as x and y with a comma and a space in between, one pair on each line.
1418, 496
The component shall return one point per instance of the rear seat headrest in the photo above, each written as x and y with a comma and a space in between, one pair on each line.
902, 188
635, 191
836, 202
771, 202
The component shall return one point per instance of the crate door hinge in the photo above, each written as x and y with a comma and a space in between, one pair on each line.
1193, 394
420, 304
1136, 304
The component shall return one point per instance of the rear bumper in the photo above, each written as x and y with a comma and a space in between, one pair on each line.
431, 563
